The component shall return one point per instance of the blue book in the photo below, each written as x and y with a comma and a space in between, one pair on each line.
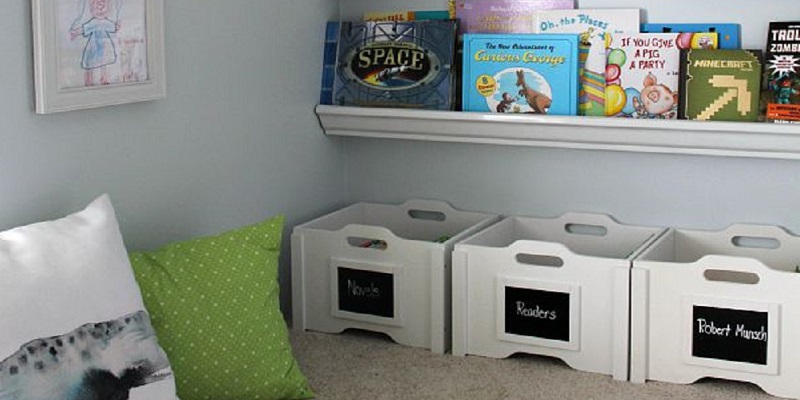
729, 34
329, 62
520, 73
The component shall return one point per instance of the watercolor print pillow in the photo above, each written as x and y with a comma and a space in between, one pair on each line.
72, 321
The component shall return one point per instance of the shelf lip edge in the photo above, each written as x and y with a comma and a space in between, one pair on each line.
763, 140
582, 121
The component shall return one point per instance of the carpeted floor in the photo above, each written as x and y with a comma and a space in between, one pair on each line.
359, 365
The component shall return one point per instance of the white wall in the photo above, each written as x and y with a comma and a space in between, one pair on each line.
235, 141
650, 189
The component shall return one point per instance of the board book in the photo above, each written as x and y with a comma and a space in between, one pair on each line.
642, 73
730, 36
782, 77
393, 64
520, 73
329, 62
503, 16
595, 27
719, 85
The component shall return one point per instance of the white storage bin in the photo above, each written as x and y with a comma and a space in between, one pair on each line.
555, 287
718, 304
383, 268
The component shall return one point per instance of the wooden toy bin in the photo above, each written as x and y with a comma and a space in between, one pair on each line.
379, 267
550, 286
720, 304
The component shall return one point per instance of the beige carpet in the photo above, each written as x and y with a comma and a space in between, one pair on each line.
358, 365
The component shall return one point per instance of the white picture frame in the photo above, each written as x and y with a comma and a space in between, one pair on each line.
95, 53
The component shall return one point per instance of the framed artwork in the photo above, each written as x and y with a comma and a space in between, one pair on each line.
94, 53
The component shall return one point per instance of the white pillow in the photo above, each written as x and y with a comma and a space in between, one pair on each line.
72, 320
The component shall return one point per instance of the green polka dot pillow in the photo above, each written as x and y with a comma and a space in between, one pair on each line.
214, 304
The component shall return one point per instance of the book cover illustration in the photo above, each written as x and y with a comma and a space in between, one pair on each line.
719, 85
642, 73
520, 73
729, 34
595, 27
395, 64
403, 16
782, 80
503, 16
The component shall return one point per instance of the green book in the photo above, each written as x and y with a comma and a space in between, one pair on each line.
719, 85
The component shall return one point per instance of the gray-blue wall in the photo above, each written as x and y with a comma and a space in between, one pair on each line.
649, 189
235, 141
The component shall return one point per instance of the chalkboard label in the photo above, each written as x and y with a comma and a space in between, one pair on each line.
537, 313
366, 292
731, 335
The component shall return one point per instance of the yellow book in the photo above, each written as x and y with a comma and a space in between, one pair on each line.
404, 16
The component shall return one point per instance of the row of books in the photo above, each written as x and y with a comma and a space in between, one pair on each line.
550, 58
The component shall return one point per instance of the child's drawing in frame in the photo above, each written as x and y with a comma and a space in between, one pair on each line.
101, 43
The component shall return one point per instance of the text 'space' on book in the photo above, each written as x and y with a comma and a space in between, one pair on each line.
394, 64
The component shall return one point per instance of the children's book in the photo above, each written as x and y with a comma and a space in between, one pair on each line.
642, 73
596, 27
729, 34
329, 62
503, 16
782, 77
720, 85
520, 73
394, 64
402, 16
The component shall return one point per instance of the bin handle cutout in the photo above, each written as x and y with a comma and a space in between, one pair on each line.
427, 215
756, 242
722, 275
367, 243
586, 229
540, 260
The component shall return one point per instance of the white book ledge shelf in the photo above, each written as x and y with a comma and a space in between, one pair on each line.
740, 139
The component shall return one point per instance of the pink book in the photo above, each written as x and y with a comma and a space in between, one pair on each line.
503, 16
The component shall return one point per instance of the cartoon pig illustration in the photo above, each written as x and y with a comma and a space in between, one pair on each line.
655, 100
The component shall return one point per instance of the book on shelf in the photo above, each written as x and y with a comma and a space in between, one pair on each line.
403, 16
729, 35
719, 85
391, 64
502, 16
520, 73
782, 76
595, 27
642, 72
329, 62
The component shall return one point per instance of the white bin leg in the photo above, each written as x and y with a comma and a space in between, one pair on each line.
639, 332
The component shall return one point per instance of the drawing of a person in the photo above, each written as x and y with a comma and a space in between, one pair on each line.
97, 29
